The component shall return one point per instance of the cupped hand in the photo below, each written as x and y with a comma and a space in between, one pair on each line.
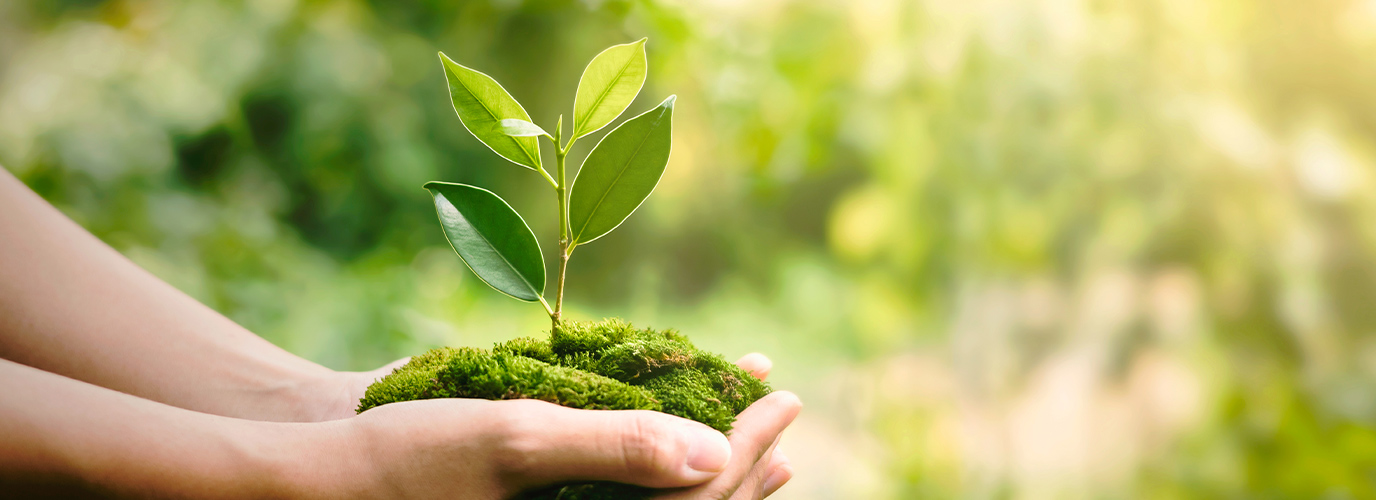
757, 468
480, 449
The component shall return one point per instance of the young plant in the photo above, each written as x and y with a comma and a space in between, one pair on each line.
606, 365
615, 178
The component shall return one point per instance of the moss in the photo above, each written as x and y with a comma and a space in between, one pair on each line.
529, 347
606, 365
466, 372
589, 491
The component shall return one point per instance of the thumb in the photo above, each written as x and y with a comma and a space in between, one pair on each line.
544, 444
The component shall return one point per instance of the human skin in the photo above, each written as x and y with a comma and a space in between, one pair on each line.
115, 382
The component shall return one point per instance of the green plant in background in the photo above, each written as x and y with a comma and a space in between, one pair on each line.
900, 190
607, 365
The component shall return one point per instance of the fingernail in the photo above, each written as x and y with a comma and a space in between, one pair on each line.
708, 450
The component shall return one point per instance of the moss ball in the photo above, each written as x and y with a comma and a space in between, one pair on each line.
603, 365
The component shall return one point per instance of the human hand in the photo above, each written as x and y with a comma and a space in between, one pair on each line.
342, 390
757, 468
496, 449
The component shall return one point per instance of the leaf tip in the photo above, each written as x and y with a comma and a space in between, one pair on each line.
669, 103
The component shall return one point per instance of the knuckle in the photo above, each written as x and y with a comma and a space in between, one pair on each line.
515, 439
649, 447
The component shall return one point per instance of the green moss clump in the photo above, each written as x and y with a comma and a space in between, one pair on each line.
604, 365
466, 372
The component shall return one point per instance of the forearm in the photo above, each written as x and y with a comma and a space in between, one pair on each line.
71, 305
61, 431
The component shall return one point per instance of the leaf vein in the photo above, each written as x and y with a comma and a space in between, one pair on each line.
508, 263
493, 115
616, 180
603, 95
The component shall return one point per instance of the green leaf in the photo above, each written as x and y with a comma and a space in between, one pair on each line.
517, 127
609, 84
620, 173
491, 238
482, 104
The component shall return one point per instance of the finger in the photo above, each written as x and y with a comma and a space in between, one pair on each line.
752, 485
756, 431
759, 426
757, 364
777, 478
777, 459
777, 473
542, 443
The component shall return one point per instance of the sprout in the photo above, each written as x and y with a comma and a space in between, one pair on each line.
607, 365
615, 178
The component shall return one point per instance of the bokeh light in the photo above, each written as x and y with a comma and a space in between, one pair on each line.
1001, 248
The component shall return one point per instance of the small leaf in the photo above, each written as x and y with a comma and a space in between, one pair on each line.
491, 238
482, 103
609, 84
620, 173
517, 127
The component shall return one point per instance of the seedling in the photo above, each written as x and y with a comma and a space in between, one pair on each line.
615, 178
606, 365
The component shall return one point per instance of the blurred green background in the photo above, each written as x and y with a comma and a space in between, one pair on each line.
1001, 248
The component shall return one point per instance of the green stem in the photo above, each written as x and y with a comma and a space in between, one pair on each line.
546, 304
565, 245
551, 180
562, 193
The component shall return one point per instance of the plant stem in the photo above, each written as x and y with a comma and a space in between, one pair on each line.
561, 191
551, 180
546, 304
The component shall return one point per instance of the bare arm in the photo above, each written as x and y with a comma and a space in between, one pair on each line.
60, 435
59, 432
71, 305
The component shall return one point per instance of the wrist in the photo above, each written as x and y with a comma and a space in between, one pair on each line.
326, 460
208, 457
324, 397
336, 395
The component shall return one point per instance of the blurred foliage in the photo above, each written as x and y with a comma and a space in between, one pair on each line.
1023, 249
